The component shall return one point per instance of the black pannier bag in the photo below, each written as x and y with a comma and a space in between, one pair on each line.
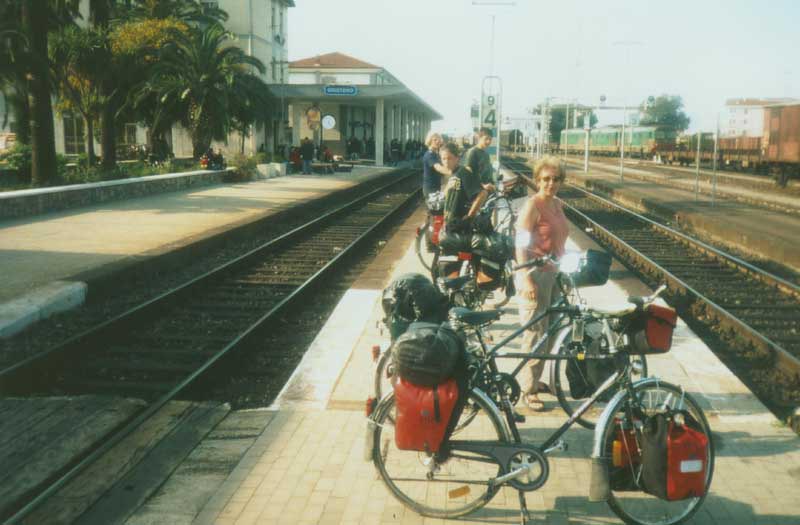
585, 376
454, 242
409, 298
427, 354
495, 246
594, 270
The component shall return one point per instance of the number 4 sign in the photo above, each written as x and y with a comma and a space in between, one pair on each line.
490, 115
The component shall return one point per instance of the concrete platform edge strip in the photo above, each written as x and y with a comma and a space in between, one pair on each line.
41, 303
313, 380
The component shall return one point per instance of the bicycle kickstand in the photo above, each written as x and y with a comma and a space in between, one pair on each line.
523, 509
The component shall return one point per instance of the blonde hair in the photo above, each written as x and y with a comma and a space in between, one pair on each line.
429, 137
552, 162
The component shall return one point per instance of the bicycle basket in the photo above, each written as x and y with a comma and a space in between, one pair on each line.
594, 269
650, 331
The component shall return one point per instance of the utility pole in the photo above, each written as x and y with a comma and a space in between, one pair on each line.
627, 44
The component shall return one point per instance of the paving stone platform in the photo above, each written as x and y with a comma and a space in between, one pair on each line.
307, 466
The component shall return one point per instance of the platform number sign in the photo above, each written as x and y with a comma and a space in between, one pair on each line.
490, 118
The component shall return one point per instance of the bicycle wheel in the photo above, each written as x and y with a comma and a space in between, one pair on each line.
422, 245
570, 401
635, 506
384, 375
453, 487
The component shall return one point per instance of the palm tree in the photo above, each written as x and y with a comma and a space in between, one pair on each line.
32, 20
205, 82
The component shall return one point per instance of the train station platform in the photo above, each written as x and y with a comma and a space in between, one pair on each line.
51, 261
755, 230
307, 466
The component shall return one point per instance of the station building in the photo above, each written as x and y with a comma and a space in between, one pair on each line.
333, 98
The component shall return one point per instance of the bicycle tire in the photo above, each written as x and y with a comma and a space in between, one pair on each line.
570, 405
624, 503
421, 248
405, 472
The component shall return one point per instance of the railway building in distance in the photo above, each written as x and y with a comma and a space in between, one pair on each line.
335, 98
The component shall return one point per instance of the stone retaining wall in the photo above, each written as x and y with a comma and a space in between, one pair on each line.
23, 203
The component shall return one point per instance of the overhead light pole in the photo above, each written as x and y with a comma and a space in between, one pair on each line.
627, 44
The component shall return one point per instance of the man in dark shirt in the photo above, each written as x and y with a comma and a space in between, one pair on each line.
307, 154
464, 195
477, 159
432, 167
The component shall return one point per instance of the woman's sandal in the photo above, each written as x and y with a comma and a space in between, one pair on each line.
533, 402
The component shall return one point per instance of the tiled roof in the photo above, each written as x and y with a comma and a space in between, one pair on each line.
756, 101
332, 61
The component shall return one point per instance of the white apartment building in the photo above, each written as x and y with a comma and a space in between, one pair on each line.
260, 27
744, 117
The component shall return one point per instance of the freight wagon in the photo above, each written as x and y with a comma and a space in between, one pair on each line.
777, 152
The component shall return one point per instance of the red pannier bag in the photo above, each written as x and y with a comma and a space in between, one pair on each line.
652, 333
436, 228
423, 413
674, 457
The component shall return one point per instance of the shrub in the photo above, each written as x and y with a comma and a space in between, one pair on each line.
245, 166
18, 158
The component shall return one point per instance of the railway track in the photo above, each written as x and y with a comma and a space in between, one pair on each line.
755, 314
156, 350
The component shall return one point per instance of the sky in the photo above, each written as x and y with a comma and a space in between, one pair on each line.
706, 51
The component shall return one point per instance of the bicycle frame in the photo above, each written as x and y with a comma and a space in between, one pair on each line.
566, 311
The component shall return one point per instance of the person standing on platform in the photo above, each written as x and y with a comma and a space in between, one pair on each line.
432, 167
477, 159
542, 229
463, 193
307, 154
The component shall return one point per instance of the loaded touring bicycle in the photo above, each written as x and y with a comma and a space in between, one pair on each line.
445, 440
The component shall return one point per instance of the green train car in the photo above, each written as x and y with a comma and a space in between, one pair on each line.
640, 141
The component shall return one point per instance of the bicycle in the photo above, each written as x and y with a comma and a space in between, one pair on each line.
488, 453
488, 263
561, 331
426, 242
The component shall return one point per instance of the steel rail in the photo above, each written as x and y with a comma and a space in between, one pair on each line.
785, 357
118, 434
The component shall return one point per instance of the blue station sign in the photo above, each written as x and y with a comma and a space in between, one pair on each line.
340, 90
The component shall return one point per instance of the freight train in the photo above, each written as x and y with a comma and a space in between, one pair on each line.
776, 152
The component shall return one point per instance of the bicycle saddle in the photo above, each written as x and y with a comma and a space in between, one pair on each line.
473, 318
638, 300
455, 283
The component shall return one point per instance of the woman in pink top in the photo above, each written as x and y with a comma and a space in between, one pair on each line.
542, 229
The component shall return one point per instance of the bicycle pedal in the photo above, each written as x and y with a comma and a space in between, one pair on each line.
518, 418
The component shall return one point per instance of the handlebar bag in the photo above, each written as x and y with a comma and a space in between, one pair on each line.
651, 332
594, 270
409, 298
674, 457
423, 414
427, 354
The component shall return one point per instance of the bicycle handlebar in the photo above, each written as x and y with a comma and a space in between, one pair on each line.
538, 261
